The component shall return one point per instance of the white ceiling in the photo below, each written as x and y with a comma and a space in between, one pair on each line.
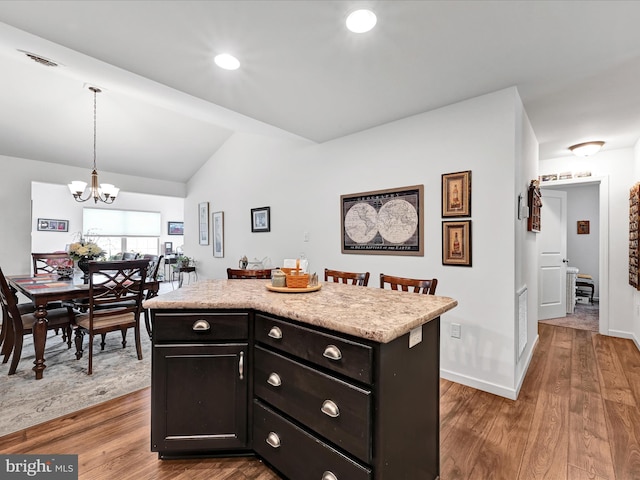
167, 108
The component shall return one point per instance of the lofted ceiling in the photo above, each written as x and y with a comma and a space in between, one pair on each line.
166, 108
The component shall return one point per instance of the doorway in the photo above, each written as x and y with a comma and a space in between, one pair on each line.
588, 247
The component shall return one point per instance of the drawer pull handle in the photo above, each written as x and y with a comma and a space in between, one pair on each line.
332, 352
201, 326
273, 439
274, 380
329, 476
276, 333
330, 408
241, 366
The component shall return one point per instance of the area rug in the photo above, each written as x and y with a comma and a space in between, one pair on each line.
66, 387
585, 317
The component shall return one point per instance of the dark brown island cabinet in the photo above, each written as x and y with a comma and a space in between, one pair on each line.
313, 403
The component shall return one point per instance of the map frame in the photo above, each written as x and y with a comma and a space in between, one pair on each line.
414, 246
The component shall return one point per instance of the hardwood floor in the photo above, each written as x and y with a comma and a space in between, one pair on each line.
576, 418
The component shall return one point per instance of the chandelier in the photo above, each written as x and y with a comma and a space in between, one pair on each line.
106, 192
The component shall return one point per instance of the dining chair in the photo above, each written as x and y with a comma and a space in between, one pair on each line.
427, 287
20, 321
351, 278
115, 303
46, 263
129, 256
238, 273
152, 274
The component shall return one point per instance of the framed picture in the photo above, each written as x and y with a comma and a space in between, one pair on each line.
383, 222
203, 223
176, 228
168, 248
456, 243
50, 225
261, 219
583, 227
217, 220
456, 194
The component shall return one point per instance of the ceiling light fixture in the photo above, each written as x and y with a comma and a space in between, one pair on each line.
587, 148
106, 192
361, 21
226, 61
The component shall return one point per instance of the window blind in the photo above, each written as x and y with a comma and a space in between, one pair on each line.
120, 223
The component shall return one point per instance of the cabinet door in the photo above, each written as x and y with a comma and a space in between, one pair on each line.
199, 398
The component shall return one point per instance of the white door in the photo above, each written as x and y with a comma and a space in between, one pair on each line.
552, 256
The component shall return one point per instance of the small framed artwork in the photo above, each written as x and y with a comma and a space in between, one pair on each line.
50, 225
217, 220
456, 243
583, 227
456, 194
176, 228
168, 248
261, 219
203, 223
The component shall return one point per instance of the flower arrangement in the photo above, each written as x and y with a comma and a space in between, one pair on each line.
85, 249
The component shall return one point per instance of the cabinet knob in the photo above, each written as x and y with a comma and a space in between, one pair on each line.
332, 352
274, 380
276, 333
273, 439
201, 326
330, 408
329, 476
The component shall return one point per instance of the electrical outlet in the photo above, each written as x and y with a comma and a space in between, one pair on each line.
455, 330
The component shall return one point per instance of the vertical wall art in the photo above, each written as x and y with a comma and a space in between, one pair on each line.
203, 222
534, 222
218, 234
456, 243
456, 194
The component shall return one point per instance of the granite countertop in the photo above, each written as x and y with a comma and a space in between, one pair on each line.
371, 313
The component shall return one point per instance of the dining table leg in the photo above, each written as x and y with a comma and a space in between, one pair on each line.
39, 340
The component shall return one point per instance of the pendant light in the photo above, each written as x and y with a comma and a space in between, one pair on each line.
106, 192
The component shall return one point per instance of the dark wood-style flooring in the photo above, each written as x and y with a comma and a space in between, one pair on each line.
576, 418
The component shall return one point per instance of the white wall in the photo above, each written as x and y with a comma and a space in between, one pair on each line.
302, 184
15, 201
617, 168
55, 202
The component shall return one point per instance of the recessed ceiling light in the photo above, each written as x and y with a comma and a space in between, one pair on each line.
586, 149
226, 61
361, 21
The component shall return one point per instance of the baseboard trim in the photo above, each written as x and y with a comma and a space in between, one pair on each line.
623, 334
473, 382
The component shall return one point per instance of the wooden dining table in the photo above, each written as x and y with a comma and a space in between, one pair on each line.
44, 289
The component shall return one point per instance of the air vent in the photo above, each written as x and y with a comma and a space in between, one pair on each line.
39, 59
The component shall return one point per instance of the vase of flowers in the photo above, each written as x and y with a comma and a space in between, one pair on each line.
83, 251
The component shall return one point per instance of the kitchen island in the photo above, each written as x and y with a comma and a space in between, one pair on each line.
342, 383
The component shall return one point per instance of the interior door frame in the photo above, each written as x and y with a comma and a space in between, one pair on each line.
603, 241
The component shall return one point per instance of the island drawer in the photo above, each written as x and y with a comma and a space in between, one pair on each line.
337, 410
337, 354
200, 327
298, 454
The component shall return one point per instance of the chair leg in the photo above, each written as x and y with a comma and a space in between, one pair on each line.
7, 345
90, 371
136, 331
17, 353
69, 332
104, 341
79, 338
124, 337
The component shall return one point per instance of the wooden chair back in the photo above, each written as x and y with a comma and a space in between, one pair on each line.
154, 265
248, 274
45, 263
116, 290
129, 256
427, 287
351, 278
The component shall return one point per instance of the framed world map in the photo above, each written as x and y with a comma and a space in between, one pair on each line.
383, 222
